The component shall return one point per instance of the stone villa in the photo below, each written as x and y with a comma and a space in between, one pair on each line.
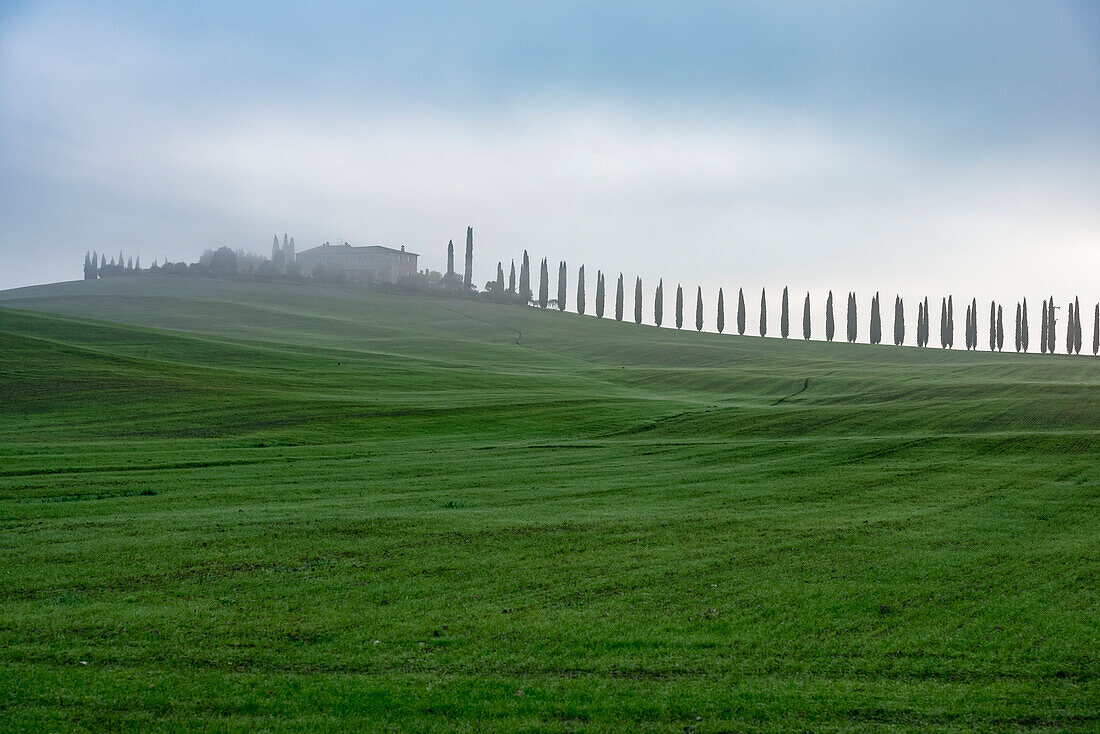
373, 263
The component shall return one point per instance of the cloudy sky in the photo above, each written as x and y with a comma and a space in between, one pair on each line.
904, 146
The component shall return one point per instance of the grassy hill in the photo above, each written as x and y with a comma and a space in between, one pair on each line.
242, 506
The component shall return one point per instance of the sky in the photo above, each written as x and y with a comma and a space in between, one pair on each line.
903, 147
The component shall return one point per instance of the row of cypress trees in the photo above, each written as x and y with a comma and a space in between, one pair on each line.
996, 334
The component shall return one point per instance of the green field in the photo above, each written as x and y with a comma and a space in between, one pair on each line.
248, 506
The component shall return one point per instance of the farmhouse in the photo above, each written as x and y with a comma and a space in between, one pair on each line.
372, 263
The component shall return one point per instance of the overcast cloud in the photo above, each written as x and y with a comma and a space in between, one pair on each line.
916, 147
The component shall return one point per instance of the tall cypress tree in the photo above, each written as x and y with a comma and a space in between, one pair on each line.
806, 317
950, 322
853, 329
740, 312
1096, 331
512, 278
468, 278
1069, 329
500, 277
899, 321
1076, 325
450, 256
993, 326
1019, 321
830, 323
943, 324
927, 323
679, 306
580, 291
763, 312
876, 320
525, 279
599, 294
920, 324
544, 285
784, 315
562, 285
699, 308
1024, 337
1044, 325
721, 322
1051, 327
1000, 329
638, 300
619, 299
659, 303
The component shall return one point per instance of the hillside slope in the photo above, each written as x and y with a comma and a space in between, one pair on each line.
251, 505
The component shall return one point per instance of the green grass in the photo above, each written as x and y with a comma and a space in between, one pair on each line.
245, 506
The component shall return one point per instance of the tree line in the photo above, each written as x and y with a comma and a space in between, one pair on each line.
975, 335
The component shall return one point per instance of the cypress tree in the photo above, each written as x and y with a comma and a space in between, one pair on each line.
580, 291
137, 260
500, 277
619, 299
721, 322
699, 308
784, 315
899, 321
806, 317
679, 306
562, 285
830, 323
512, 278
920, 324
1051, 328
943, 324
740, 312
950, 322
1096, 330
450, 256
1076, 325
524, 279
1000, 329
1069, 329
659, 303
876, 320
1045, 323
927, 322
638, 300
468, 278
993, 326
544, 285
852, 315
1019, 321
763, 312
599, 294
1025, 338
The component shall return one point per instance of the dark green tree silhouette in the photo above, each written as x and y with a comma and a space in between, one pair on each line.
580, 290
763, 312
1019, 323
1076, 325
899, 321
500, 277
619, 299
1044, 325
784, 315
512, 278
1000, 329
659, 303
679, 306
599, 294
562, 285
920, 324
876, 320
852, 315
943, 324
830, 322
993, 325
544, 285
468, 278
1051, 327
1025, 338
806, 317
450, 256
1096, 330
950, 323
525, 279
638, 300
721, 322
1069, 329
740, 312
699, 308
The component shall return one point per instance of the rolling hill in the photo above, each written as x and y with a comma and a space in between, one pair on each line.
244, 505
